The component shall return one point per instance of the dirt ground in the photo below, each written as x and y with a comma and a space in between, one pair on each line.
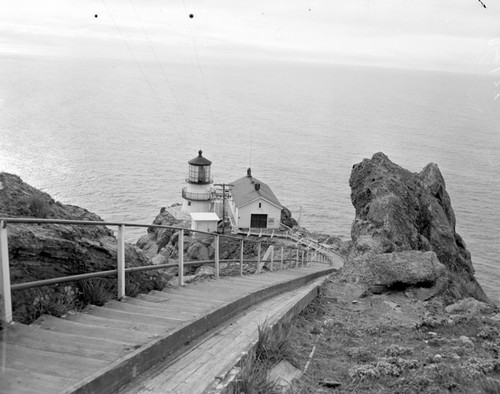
351, 342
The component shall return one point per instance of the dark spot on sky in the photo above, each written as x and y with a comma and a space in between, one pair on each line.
191, 16
95, 16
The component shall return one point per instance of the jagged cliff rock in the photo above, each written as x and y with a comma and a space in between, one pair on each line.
287, 219
42, 251
398, 211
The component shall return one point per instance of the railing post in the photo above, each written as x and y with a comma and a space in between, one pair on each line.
297, 259
241, 257
302, 264
180, 244
5, 294
217, 257
121, 261
281, 260
258, 256
272, 259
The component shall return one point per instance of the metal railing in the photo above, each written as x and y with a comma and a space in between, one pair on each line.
6, 288
177, 214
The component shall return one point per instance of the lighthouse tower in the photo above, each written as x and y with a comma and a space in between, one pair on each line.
198, 192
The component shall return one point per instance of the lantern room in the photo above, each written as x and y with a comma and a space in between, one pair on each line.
197, 195
199, 170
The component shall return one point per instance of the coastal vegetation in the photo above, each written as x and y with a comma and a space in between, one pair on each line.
345, 342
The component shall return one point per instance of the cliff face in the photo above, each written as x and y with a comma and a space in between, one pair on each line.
52, 250
399, 211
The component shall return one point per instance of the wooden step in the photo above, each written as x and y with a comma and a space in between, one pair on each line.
167, 312
188, 298
64, 326
110, 313
191, 292
87, 318
36, 338
49, 363
185, 310
27, 382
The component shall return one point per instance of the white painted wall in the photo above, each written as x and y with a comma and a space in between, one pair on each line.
196, 206
273, 213
208, 226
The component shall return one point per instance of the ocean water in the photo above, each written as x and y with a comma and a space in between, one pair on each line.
115, 137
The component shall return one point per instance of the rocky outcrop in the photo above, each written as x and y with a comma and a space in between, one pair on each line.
287, 219
43, 251
160, 245
389, 270
399, 211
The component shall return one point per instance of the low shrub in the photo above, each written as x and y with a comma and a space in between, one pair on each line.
38, 206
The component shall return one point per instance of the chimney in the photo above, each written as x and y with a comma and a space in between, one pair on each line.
257, 186
249, 172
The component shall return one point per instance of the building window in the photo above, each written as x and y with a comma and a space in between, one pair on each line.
260, 205
189, 203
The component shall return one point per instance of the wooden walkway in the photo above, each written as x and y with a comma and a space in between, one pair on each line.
103, 348
206, 367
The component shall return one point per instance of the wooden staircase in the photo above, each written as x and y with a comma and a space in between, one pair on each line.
103, 348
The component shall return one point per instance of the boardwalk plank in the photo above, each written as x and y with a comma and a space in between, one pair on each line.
37, 338
26, 382
63, 326
171, 314
192, 294
134, 325
109, 313
194, 310
48, 363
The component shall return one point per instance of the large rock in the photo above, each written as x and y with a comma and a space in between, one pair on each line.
397, 211
393, 269
53, 250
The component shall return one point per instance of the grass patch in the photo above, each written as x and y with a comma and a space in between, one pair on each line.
96, 291
272, 347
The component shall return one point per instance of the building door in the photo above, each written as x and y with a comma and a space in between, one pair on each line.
258, 220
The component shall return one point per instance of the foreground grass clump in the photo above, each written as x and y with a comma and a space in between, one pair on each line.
272, 347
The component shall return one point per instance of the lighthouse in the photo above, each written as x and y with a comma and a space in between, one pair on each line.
198, 192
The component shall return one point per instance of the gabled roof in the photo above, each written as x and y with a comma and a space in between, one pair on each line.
244, 192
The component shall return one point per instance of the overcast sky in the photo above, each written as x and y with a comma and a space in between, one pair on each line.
455, 35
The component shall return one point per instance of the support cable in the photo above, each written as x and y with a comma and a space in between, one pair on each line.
148, 39
137, 62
